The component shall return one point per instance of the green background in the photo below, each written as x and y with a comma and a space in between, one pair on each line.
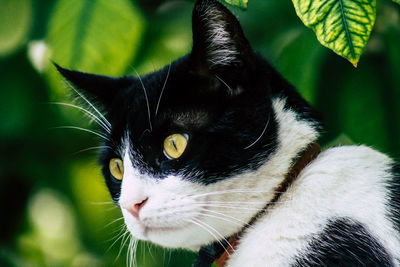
55, 209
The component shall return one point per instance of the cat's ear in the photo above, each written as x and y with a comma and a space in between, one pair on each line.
218, 39
101, 88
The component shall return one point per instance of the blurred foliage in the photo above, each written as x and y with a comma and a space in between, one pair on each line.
16, 20
55, 208
239, 3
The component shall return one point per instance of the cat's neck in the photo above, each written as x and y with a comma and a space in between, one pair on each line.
220, 255
294, 136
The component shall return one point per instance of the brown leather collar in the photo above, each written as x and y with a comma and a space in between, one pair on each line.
306, 157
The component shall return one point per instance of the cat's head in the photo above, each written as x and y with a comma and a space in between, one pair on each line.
196, 149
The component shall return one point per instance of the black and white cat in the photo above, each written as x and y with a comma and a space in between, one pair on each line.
200, 151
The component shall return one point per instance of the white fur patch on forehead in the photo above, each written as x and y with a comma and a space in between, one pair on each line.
221, 49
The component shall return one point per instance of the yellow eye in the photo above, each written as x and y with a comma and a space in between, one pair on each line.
175, 145
117, 168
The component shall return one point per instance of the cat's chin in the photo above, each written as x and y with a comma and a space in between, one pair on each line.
185, 236
176, 238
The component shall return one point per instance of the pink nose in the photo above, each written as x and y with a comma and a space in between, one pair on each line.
134, 209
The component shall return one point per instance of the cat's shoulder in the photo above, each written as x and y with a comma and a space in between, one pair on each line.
356, 172
349, 159
337, 210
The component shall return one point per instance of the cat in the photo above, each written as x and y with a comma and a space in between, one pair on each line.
204, 155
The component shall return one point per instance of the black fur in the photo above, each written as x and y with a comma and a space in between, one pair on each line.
100, 88
223, 108
207, 13
345, 243
208, 254
394, 200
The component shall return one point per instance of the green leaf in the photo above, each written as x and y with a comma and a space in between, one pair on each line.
99, 36
15, 24
239, 3
397, 1
341, 25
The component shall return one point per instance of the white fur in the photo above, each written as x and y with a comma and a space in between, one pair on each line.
221, 49
173, 201
161, 220
341, 182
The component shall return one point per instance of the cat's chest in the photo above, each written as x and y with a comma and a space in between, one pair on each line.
332, 188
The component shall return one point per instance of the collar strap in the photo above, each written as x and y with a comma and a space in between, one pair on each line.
302, 161
220, 255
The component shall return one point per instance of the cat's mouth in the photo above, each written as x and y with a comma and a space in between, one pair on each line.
159, 229
145, 231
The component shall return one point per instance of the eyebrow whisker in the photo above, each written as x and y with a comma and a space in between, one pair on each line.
147, 100
258, 139
162, 90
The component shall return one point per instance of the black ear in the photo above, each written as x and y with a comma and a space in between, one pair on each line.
218, 39
102, 88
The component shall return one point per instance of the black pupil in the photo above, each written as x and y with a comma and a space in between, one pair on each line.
118, 167
173, 143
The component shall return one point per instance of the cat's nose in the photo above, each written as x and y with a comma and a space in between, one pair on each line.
135, 208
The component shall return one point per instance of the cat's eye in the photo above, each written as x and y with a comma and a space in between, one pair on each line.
116, 168
175, 145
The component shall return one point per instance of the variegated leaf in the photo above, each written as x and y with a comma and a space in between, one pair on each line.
341, 25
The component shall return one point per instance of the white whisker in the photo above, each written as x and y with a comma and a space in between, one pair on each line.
128, 254
228, 192
162, 90
220, 218
89, 103
90, 114
120, 232
258, 139
208, 231
235, 202
102, 203
132, 251
113, 221
239, 222
92, 148
148, 244
118, 229
123, 242
112, 208
84, 130
135, 248
216, 232
147, 99
227, 206
230, 89
121, 235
